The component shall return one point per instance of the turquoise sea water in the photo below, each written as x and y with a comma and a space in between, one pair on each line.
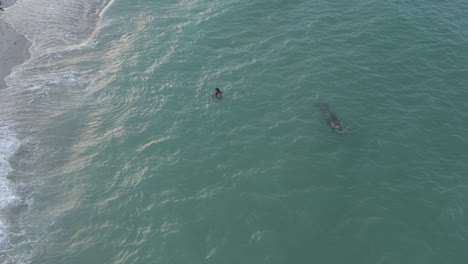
117, 153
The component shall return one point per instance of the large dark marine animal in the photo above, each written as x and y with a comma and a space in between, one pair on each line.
330, 118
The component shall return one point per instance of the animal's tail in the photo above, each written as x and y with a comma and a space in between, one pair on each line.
321, 105
317, 102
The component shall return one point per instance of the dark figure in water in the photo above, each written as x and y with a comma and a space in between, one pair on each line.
330, 118
217, 93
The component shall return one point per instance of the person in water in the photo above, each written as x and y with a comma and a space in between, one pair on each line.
217, 93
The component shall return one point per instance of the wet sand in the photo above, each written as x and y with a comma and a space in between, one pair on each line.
13, 46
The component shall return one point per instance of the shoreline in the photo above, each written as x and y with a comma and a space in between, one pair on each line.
14, 47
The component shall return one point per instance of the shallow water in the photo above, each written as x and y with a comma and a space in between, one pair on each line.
123, 156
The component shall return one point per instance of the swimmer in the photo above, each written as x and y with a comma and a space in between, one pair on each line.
217, 93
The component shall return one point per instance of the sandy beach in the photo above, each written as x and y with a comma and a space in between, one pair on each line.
13, 46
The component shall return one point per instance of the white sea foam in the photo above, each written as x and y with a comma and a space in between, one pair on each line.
9, 144
108, 3
56, 28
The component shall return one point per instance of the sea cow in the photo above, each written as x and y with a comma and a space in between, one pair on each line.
330, 118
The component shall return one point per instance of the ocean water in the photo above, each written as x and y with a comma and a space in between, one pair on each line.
112, 149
